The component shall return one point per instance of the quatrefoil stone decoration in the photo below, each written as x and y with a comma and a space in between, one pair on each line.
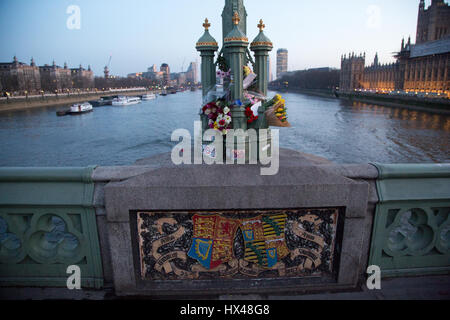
10, 244
54, 240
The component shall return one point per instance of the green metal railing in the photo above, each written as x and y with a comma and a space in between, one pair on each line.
411, 233
47, 223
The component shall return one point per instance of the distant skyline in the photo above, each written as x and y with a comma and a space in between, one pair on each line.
140, 33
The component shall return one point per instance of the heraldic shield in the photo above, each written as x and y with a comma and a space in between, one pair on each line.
213, 240
264, 238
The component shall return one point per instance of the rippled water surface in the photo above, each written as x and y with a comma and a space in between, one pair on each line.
340, 131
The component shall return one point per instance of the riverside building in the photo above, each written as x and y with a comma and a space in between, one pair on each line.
55, 78
18, 76
282, 62
419, 68
23, 78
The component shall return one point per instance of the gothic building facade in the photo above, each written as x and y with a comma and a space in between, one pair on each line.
420, 67
433, 23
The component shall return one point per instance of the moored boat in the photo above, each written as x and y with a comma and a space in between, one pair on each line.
125, 101
148, 96
79, 108
104, 101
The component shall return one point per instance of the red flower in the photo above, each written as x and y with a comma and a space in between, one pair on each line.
222, 122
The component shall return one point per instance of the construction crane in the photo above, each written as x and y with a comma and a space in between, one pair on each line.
182, 66
107, 67
109, 62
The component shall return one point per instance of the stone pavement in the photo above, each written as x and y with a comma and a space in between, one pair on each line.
414, 288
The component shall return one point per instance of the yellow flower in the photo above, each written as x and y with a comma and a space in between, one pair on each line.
247, 70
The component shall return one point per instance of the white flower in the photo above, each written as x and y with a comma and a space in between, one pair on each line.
228, 119
226, 110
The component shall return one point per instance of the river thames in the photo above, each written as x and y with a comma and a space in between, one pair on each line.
342, 132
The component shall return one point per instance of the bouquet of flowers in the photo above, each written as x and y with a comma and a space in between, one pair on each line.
219, 115
276, 114
250, 115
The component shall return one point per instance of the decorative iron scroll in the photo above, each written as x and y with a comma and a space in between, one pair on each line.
238, 245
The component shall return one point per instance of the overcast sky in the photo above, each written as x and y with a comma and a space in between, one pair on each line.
139, 33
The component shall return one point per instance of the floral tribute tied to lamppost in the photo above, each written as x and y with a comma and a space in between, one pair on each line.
276, 113
219, 116
235, 81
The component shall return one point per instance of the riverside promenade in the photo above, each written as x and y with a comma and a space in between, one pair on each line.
16, 103
434, 105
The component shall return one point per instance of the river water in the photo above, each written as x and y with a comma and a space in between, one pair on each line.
342, 132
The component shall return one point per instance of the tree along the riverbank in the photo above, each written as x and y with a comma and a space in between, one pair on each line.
312, 79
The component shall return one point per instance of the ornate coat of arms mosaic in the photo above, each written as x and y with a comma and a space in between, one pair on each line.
238, 245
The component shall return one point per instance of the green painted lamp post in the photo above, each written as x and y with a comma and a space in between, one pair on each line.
232, 6
235, 44
261, 46
207, 46
234, 55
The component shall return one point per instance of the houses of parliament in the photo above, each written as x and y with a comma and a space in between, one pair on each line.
420, 67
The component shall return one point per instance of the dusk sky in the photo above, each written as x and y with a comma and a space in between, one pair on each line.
140, 33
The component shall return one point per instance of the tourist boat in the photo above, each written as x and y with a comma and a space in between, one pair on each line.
164, 93
125, 101
79, 108
149, 96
